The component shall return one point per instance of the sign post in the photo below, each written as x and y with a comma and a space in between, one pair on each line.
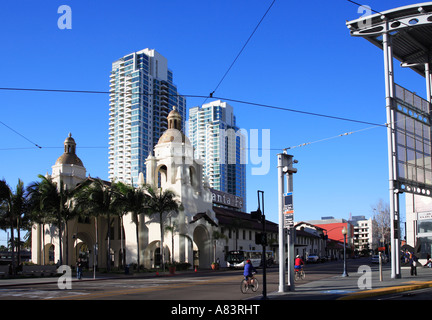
286, 221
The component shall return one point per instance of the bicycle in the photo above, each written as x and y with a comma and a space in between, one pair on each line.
299, 275
252, 283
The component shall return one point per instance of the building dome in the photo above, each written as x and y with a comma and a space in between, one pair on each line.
174, 132
69, 156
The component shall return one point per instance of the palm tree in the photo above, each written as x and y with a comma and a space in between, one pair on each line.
173, 228
216, 236
46, 196
160, 202
98, 198
135, 201
36, 213
19, 212
7, 215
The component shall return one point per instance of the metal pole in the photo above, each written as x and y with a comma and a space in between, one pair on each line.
344, 274
394, 198
290, 237
282, 286
263, 246
428, 80
380, 266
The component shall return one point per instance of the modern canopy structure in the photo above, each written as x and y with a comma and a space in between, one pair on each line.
404, 34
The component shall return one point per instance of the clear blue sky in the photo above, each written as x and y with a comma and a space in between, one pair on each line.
301, 57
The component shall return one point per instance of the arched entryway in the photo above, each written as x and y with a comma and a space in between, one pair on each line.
153, 256
202, 253
83, 248
49, 254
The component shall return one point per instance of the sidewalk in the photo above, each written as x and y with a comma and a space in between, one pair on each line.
87, 276
349, 288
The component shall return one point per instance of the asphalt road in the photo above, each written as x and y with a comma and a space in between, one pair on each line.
222, 285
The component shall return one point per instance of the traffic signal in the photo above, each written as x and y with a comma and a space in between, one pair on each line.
257, 215
261, 238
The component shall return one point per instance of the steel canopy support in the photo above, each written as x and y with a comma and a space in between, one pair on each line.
392, 161
428, 79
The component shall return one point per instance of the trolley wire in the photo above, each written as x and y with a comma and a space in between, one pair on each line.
261, 105
240, 52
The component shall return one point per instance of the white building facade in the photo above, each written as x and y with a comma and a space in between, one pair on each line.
365, 235
173, 167
419, 224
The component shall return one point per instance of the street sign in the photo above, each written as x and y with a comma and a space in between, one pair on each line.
288, 210
288, 220
288, 202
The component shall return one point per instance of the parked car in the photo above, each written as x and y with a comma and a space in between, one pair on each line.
324, 259
375, 258
312, 258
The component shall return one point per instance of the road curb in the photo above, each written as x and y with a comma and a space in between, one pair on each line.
387, 290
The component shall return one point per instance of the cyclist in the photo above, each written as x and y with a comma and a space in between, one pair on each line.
248, 269
298, 263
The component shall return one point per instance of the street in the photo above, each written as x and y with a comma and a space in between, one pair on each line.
202, 285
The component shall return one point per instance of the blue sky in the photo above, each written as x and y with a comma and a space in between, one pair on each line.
301, 57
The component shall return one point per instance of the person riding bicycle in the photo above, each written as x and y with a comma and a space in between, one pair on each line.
248, 269
298, 263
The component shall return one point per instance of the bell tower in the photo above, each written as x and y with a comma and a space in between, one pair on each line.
69, 166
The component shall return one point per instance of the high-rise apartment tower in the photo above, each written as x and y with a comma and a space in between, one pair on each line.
219, 143
142, 93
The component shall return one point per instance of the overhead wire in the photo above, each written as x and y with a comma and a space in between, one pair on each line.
35, 144
373, 125
184, 95
201, 96
240, 52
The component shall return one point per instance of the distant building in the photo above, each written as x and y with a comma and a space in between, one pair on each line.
364, 234
310, 239
333, 229
142, 93
219, 143
419, 225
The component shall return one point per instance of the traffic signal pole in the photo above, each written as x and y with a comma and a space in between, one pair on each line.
281, 182
264, 243
286, 219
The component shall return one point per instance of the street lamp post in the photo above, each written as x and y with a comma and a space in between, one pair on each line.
344, 232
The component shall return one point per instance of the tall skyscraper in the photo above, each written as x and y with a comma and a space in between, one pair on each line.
142, 93
220, 144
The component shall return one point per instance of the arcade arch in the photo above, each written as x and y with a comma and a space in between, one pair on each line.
201, 239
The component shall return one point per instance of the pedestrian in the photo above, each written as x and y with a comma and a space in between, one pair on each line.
413, 264
79, 267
